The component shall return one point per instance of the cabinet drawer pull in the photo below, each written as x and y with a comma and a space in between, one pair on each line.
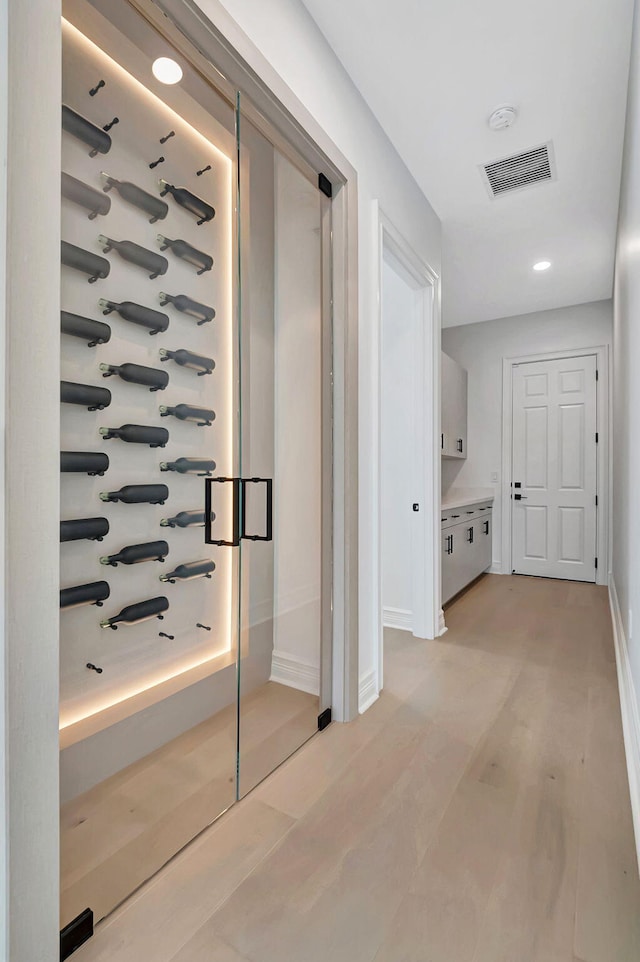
470, 538
459, 445
486, 527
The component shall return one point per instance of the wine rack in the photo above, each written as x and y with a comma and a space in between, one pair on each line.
115, 508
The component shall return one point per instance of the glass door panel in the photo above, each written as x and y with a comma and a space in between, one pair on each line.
148, 711
283, 372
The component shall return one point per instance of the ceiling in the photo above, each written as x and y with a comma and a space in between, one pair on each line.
433, 70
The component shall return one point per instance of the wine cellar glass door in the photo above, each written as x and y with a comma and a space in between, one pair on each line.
284, 387
149, 613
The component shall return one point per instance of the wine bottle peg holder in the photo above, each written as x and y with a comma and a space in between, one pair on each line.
195, 205
93, 332
112, 123
190, 571
155, 321
93, 398
187, 519
203, 417
95, 593
155, 163
151, 377
98, 86
84, 196
163, 634
137, 197
171, 134
186, 305
135, 554
137, 494
199, 173
137, 434
202, 467
84, 529
205, 627
137, 613
195, 362
85, 261
186, 252
92, 136
93, 667
93, 463
137, 255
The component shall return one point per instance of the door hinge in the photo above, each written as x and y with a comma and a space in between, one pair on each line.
76, 933
596, 437
325, 185
324, 719
596, 563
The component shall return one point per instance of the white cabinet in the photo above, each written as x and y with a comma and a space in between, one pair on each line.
453, 379
466, 546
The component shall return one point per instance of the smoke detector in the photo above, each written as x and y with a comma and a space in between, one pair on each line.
503, 117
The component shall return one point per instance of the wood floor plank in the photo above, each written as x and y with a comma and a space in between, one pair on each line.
478, 812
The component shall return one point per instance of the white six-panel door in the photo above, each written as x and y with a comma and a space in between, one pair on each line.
554, 468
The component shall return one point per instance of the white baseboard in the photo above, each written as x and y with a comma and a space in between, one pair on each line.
397, 618
441, 624
496, 568
629, 710
367, 691
287, 669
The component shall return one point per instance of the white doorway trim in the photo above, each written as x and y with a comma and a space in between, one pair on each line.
428, 621
604, 467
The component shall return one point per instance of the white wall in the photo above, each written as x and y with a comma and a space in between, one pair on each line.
397, 441
480, 348
288, 38
626, 383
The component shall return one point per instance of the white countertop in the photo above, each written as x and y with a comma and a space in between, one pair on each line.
462, 497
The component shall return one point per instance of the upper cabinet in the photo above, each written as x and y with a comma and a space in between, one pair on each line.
453, 381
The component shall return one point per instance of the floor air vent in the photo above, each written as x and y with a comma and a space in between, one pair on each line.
534, 166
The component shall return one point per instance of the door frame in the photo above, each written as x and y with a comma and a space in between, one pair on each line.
603, 510
428, 620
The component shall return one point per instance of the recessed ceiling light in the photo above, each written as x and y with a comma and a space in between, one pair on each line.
542, 266
166, 70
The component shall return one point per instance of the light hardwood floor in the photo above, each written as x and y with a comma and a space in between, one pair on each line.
478, 812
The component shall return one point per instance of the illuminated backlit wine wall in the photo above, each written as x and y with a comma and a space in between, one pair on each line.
152, 267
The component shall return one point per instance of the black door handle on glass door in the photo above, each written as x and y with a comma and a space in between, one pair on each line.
235, 536
268, 535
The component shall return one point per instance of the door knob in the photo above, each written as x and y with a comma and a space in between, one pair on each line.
520, 497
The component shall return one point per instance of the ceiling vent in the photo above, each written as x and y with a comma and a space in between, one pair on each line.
534, 166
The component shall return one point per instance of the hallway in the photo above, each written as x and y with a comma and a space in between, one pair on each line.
478, 812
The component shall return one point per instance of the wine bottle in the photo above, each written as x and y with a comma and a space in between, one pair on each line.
78, 126
91, 594
137, 434
84, 196
185, 412
186, 519
138, 494
148, 260
196, 362
135, 554
151, 377
187, 572
187, 253
186, 305
94, 332
85, 261
94, 398
156, 321
135, 614
199, 466
84, 462
138, 197
195, 205
84, 529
